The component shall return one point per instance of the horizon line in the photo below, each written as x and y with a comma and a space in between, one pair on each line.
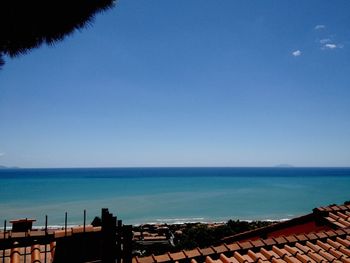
167, 167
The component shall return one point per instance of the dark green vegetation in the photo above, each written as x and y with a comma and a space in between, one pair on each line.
27, 24
188, 236
202, 235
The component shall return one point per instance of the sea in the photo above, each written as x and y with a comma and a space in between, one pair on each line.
168, 195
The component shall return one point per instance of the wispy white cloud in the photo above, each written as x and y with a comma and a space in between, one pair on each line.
296, 53
325, 40
332, 46
319, 27
2, 154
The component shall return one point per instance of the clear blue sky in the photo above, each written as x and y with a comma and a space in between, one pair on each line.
185, 83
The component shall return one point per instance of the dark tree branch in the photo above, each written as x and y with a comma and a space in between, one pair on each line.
27, 24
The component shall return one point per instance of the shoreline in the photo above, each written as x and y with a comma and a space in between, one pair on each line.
160, 223
209, 222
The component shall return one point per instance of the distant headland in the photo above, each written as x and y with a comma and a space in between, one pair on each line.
7, 167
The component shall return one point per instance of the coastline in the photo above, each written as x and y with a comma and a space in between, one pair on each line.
168, 196
165, 223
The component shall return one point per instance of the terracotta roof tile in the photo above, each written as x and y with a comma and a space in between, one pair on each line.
239, 257
248, 259
345, 251
292, 260
330, 219
328, 209
328, 248
336, 208
269, 254
291, 239
233, 247
209, 260
279, 252
333, 216
343, 216
304, 249
162, 258
344, 242
291, 250
280, 240
15, 255
339, 224
321, 235
314, 247
301, 237
269, 241
303, 258
148, 259
225, 259
342, 207
330, 233
340, 232
35, 251
257, 243
344, 222
255, 256
207, 251
192, 253
177, 256
311, 236
220, 249
52, 249
277, 260
327, 256
245, 245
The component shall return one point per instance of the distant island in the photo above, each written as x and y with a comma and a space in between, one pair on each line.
6, 167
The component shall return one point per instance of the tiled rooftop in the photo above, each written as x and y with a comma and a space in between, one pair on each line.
35, 253
323, 236
336, 215
326, 246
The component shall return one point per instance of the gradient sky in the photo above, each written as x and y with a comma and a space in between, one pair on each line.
185, 83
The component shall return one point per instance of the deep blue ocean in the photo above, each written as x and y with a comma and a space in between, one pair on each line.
171, 195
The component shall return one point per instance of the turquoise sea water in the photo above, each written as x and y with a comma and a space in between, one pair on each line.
172, 195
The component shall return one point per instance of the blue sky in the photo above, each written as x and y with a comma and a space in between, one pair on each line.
185, 83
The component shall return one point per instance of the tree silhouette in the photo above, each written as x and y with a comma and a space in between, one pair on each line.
26, 24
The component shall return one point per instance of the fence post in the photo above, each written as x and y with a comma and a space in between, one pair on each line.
109, 240
119, 241
3, 251
127, 244
83, 249
84, 219
45, 238
65, 224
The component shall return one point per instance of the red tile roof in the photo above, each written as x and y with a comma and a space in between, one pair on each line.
326, 246
322, 236
35, 253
